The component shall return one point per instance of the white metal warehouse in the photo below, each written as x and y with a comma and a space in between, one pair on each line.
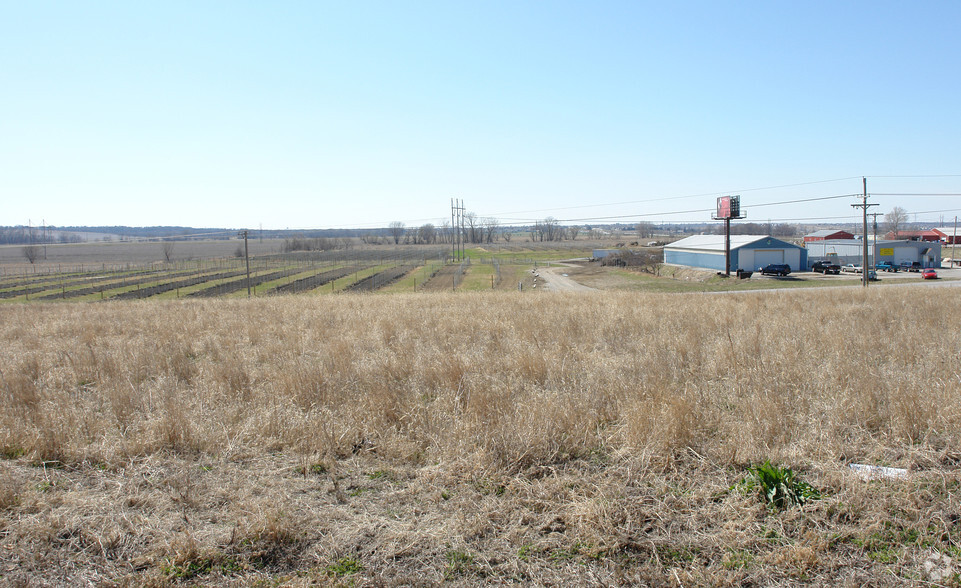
748, 252
927, 253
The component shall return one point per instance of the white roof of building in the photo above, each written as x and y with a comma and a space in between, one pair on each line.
826, 232
949, 231
716, 242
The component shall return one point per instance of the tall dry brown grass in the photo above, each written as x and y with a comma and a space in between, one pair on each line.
498, 381
494, 390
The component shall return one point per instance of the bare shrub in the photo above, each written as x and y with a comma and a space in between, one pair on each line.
32, 253
9, 491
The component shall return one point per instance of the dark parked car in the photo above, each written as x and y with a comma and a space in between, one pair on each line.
776, 269
886, 266
911, 266
826, 267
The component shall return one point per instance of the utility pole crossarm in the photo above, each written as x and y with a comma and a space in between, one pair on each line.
864, 238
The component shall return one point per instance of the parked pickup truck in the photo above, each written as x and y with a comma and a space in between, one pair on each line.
851, 268
826, 267
911, 266
885, 266
776, 269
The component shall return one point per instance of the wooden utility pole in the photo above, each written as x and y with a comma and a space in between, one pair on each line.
247, 260
864, 238
954, 241
874, 246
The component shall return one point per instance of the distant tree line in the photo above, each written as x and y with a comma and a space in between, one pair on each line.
775, 230
316, 244
35, 236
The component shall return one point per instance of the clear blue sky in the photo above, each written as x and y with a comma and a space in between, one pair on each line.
333, 114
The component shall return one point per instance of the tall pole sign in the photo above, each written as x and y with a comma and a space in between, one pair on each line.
728, 208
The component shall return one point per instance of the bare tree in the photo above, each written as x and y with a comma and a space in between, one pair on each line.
550, 229
645, 229
32, 253
427, 234
490, 229
396, 229
572, 232
506, 234
472, 226
896, 220
168, 248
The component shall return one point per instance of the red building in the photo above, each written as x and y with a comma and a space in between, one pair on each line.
947, 234
926, 235
827, 234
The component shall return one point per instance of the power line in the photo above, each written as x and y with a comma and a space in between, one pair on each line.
667, 198
921, 176
910, 194
669, 213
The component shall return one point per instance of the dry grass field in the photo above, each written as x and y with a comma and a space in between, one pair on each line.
481, 438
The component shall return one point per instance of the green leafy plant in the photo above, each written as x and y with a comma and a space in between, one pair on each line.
345, 566
778, 487
459, 563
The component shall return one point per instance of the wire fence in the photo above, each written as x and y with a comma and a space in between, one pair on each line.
459, 272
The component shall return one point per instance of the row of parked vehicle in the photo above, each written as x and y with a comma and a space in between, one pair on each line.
826, 267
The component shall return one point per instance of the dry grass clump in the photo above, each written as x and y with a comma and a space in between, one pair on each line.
478, 438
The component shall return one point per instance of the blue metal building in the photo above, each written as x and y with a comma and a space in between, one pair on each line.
748, 252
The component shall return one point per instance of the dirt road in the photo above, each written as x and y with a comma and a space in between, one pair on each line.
555, 280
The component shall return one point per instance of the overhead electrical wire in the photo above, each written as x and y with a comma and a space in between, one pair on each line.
666, 198
505, 216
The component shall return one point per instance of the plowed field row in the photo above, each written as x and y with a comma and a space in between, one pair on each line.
104, 284
168, 286
237, 285
315, 281
380, 279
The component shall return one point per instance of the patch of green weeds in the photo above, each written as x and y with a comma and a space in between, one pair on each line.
671, 554
318, 469
488, 487
886, 544
45, 486
200, 567
189, 569
356, 492
459, 563
778, 487
885, 555
445, 495
525, 552
380, 475
737, 559
576, 549
230, 566
12, 452
344, 566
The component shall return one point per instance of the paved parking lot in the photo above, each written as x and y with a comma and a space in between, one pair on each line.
944, 275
